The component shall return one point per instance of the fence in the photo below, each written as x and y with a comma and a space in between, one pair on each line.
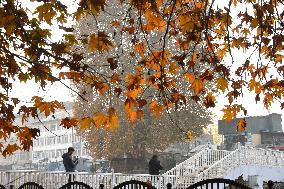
134, 184
53, 180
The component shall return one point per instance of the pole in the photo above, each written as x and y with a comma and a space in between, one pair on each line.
112, 178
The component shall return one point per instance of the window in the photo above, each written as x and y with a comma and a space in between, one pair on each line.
41, 141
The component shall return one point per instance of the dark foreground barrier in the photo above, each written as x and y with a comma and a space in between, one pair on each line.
135, 184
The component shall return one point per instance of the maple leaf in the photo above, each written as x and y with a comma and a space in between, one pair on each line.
221, 84
186, 23
140, 48
69, 122
10, 149
189, 135
115, 78
197, 86
85, 123
45, 12
241, 127
156, 109
268, 99
115, 23
155, 21
190, 77
100, 120
254, 85
46, 107
133, 94
209, 100
99, 42
113, 120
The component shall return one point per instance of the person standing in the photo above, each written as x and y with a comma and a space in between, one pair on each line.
69, 163
154, 166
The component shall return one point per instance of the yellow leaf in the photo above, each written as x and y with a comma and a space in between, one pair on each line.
189, 135
173, 69
254, 85
221, 84
85, 123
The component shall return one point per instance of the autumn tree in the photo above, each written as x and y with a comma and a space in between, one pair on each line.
169, 40
147, 134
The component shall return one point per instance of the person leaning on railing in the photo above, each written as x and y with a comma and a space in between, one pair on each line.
69, 164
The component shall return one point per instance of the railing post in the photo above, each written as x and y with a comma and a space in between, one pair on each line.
102, 186
112, 178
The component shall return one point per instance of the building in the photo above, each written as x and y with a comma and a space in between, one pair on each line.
50, 145
274, 140
255, 126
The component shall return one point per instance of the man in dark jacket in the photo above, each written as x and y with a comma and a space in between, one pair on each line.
69, 164
154, 166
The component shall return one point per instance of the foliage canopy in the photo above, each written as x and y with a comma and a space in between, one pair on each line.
177, 48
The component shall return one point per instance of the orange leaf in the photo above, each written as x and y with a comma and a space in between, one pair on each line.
114, 78
10, 149
190, 77
241, 127
113, 119
99, 120
99, 42
85, 123
115, 23
139, 114
197, 86
156, 109
69, 122
140, 48
133, 94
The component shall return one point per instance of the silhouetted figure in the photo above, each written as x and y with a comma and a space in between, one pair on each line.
69, 164
270, 184
154, 166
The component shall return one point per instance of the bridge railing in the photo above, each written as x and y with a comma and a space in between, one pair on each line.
54, 180
198, 162
243, 156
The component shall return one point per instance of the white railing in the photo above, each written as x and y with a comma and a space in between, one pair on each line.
206, 164
54, 180
243, 156
198, 162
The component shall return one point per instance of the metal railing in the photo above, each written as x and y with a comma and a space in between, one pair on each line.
243, 156
204, 165
198, 162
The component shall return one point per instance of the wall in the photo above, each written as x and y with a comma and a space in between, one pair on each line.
256, 139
